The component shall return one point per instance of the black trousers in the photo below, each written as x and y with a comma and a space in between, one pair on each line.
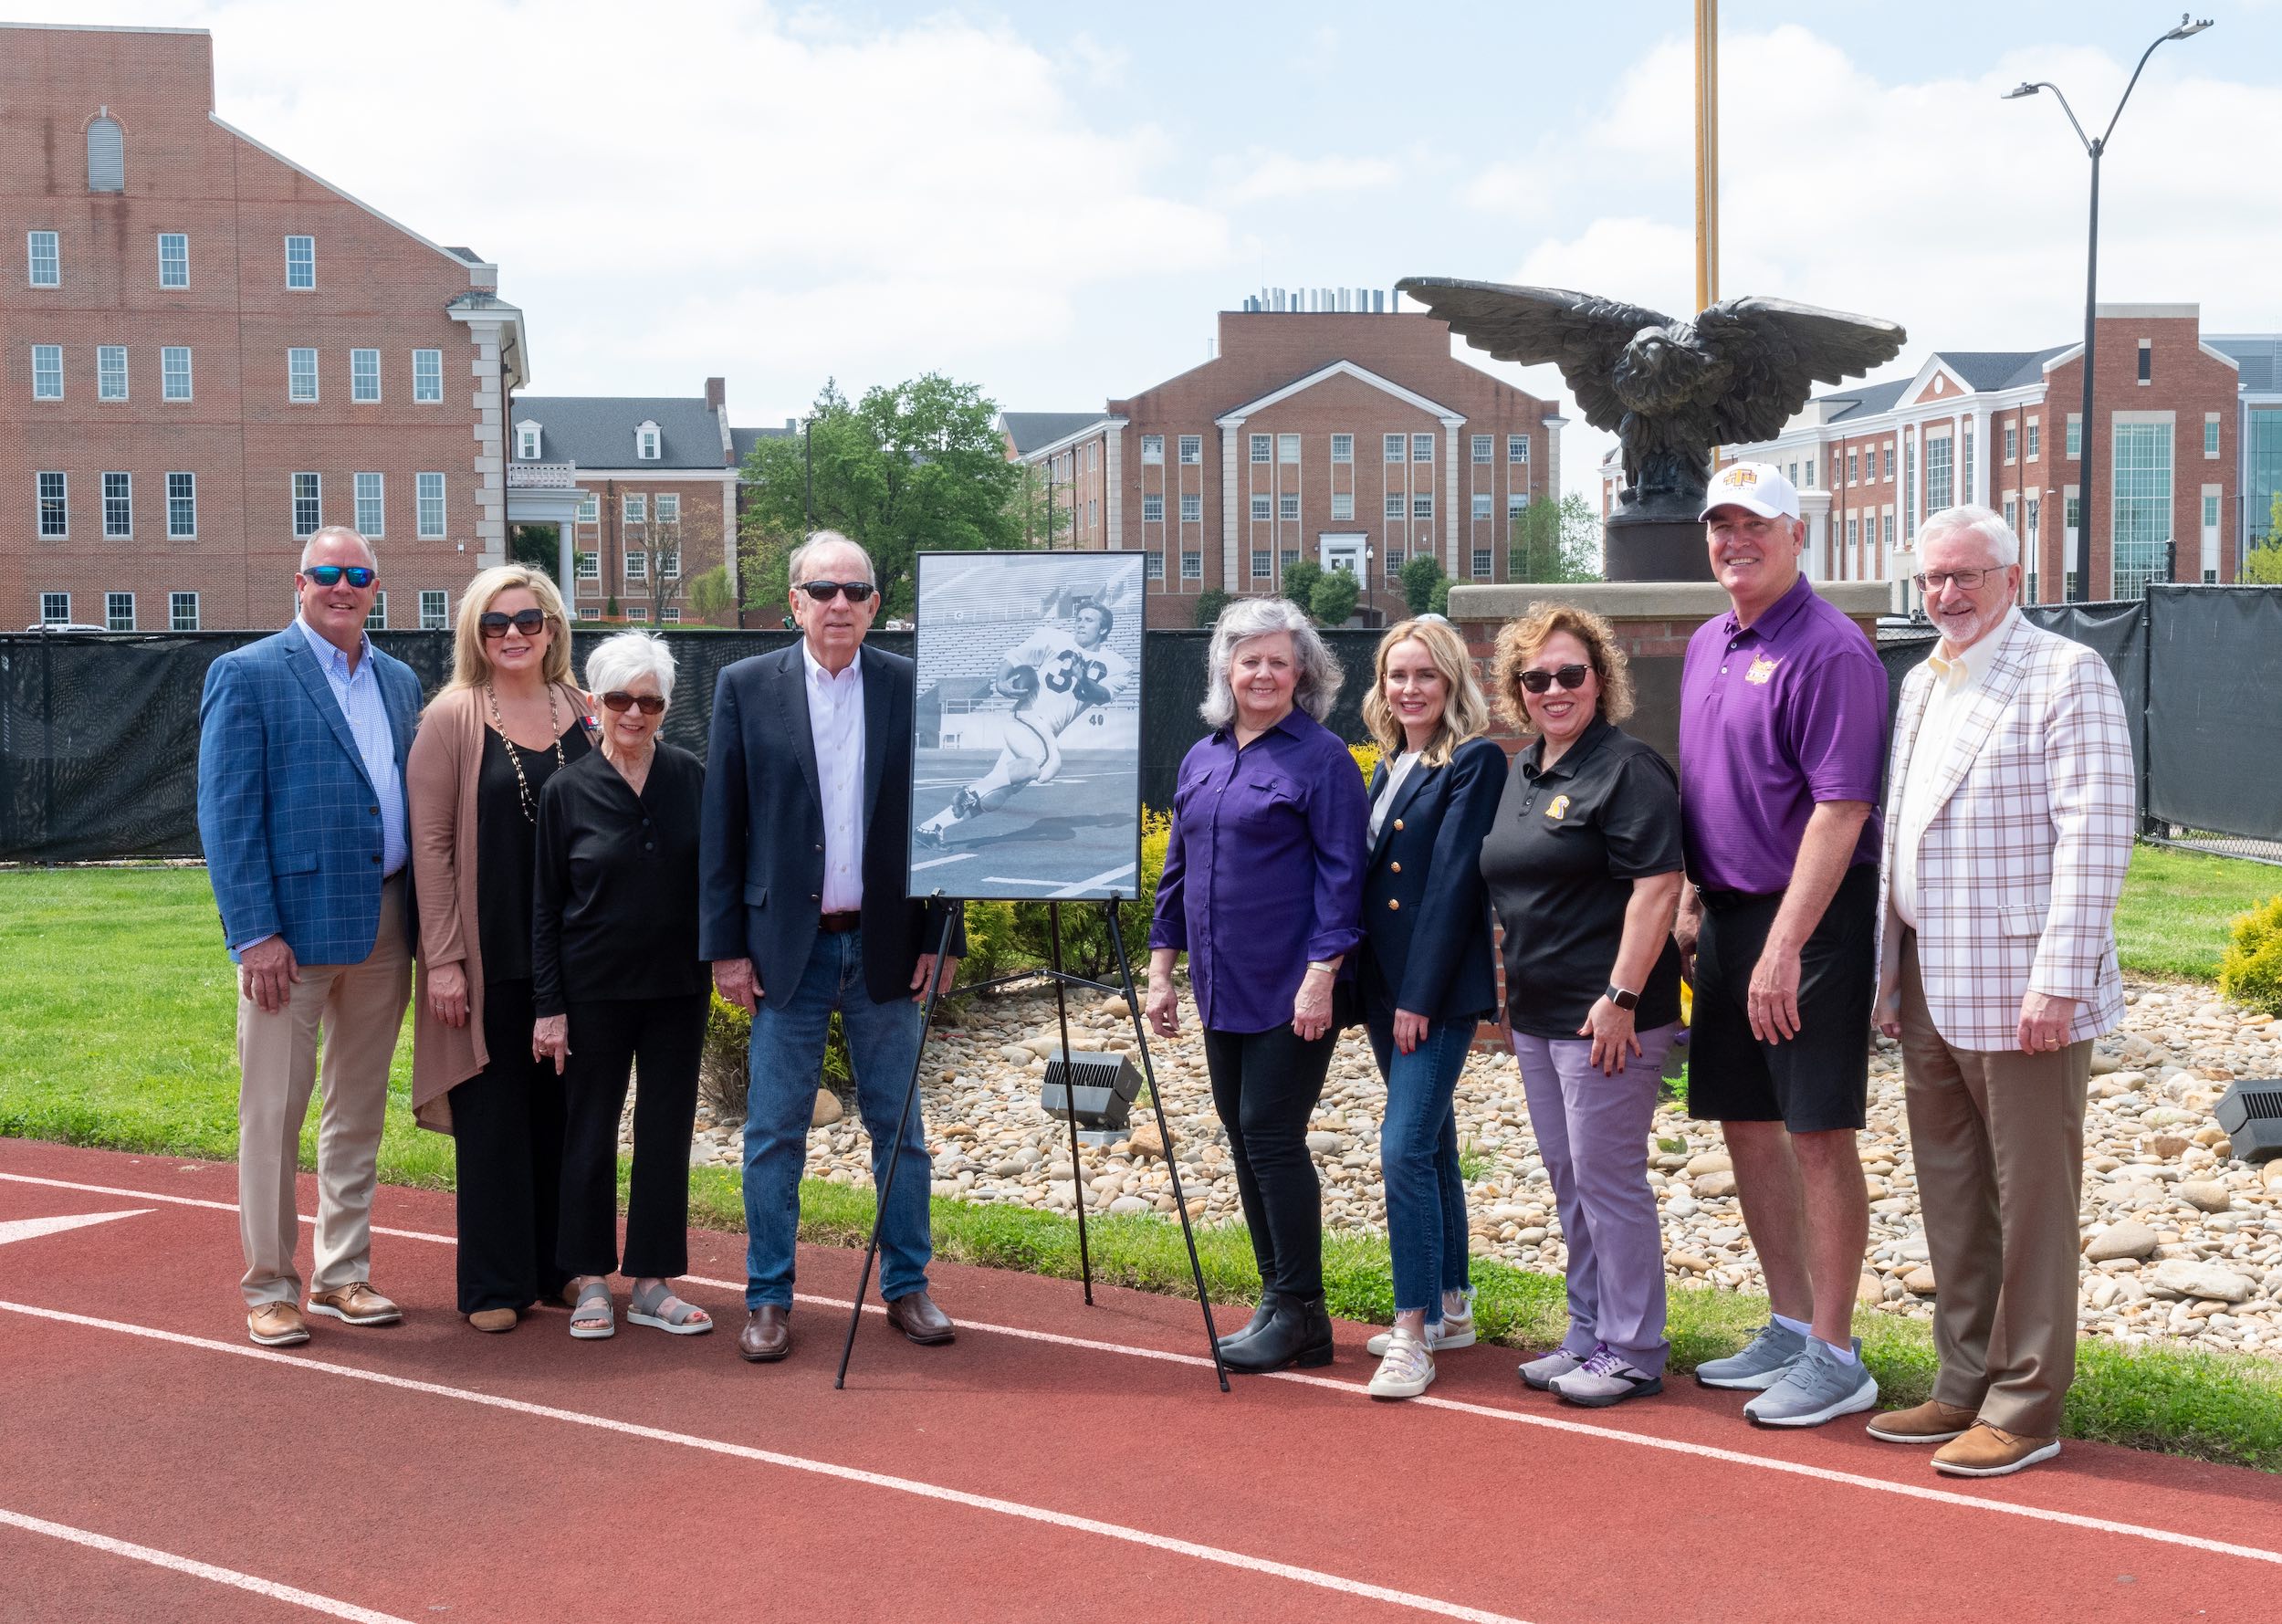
609, 1037
1264, 1086
507, 1121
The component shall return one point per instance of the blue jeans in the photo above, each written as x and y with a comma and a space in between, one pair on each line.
1418, 1153
787, 1060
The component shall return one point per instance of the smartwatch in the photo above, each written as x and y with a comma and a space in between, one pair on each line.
1621, 999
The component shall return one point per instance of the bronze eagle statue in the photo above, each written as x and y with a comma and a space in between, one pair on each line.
1669, 391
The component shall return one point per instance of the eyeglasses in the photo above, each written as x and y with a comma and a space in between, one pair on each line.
331, 574
855, 591
1568, 677
1933, 581
618, 699
526, 621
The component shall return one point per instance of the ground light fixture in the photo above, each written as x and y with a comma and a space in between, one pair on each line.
1105, 1085
2251, 1113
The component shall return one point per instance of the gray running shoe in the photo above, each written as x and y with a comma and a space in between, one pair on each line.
1606, 1378
1540, 1373
1760, 1365
1818, 1387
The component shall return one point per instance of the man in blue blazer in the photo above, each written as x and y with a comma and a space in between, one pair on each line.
302, 739
803, 911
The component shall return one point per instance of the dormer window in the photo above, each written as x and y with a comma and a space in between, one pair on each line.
106, 154
649, 445
527, 441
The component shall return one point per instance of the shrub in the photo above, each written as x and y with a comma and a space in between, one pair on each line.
2251, 973
1209, 602
1086, 949
992, 948
1333, 599
1438, 599
722, 1077
1300, 577
1366, 758
1419, 572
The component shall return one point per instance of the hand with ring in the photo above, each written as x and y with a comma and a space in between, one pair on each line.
2044, 1023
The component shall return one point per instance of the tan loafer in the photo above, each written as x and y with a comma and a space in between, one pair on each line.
1930, 1422
493, 1320
277, 1324
1991, 1451
356, 1303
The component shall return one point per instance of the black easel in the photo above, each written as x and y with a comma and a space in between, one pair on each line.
1063, 980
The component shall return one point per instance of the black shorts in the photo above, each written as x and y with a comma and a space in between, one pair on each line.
1819, 1080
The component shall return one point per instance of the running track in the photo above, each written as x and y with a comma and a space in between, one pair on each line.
1058, 1462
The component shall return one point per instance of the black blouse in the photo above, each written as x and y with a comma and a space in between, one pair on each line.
505, 838
616, 883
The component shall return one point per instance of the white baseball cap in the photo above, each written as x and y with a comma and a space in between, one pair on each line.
1759, 487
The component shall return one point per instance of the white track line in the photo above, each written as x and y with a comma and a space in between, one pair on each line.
1457, 1406
201, 1571
876, 1480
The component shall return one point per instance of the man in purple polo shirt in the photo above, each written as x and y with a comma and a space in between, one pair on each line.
1782, 739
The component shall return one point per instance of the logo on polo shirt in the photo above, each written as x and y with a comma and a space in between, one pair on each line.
1762, 670
1559, 809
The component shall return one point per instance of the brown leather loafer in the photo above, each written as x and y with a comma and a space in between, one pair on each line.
1930, 1422
766, 1336
917, 1317
1992, 1451
356, 1303
277, 1324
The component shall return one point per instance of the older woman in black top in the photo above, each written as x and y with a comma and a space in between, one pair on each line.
616, 983
1584, 868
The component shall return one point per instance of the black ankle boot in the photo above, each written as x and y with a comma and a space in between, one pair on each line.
1260, 1317
1299, 1334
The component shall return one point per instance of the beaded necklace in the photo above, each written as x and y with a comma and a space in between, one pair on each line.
514, 756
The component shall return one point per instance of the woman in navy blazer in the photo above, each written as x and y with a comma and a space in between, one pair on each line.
1428, 973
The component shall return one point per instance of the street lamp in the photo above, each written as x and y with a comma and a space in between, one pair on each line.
2088, 435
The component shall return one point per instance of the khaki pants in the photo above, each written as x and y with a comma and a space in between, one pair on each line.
1999, 1143
359, 1009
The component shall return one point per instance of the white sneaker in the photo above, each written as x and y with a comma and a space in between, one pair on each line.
1452, 1330
1406, 1371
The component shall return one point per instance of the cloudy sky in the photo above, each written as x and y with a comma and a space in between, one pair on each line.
1053, 200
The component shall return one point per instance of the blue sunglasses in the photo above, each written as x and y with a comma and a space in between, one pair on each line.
329, 574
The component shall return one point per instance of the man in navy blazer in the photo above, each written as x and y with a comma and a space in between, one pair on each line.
803, 911
302, 740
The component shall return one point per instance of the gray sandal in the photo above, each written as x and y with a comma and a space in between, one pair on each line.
660, 1307
598, 1322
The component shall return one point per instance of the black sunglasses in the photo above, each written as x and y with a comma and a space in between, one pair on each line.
855, 591
526, 621
1568, 677
329, 574
619, 699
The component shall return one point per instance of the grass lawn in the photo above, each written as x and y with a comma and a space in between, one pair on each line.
118, 1034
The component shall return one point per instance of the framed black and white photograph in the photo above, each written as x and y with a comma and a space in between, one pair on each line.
1026, 750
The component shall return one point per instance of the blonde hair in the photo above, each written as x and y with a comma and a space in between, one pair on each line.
1465, 713
471, 667
1520, 641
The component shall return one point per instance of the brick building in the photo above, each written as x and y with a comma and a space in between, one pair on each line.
1354, 439
2189, 457
209, 352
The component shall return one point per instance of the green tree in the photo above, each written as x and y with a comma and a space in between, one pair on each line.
2262, 565
1556, 541
533, 547
709, 592
1209, 602
1333, 601
1438, 601
1040, 507
1299, 582
917, 466
1420, 571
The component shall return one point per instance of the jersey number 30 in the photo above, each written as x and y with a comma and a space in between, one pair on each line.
1066, 671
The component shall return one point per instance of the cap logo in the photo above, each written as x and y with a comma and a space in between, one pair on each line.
1740, 475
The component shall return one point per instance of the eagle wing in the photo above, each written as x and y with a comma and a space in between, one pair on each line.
1774, 351
1578, 333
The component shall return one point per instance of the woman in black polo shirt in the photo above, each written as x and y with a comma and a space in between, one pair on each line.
617, 980
1583, 869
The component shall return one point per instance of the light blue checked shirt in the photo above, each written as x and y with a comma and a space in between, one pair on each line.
358, 695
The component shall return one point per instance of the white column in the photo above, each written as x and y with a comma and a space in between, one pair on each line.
1449, 498
1231, 436
1114, 487
1957, 457
1979, 495
566, 546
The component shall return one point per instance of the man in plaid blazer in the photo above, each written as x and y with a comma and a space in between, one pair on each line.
2008, 827
302, 811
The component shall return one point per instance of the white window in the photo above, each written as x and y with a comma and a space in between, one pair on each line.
1482, 563
590, 508
1262, 448
1515, 502
1398, 447
1422, 448
669, 507
2011, 445
637, 615
1193, 566
106, 155
2076, 435
1394, 563
309, 504
648, 444
118, 506
1152, 448
364, 375
300, 375
527, 441
377, 620
45, 257
2030, 535
55, 505
2209, 433
1342, 448
427, 491
1288, 504
1394, 504
1264, 563
1482, 504
587, 566
182, 510
174, 259
1153, 566
1853, 531
1422, 505
1517, 448
588, 611
1287, 448
669, 563
111, 372
371, 506
635, 509
1288, 557
182, 612
2012, 517
48, 371
428, 376
1261, 505
54, 609
1343, 505
2141, 470
1191, 450
671, 614
300, 262
1153, 508
435, 612
1483, 444
637, 566
2210, 510
119, 611
1191, 507
174, 373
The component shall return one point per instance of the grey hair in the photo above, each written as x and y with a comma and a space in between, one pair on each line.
358, 537
2003, 546
795, 567
1247, 618
617, 660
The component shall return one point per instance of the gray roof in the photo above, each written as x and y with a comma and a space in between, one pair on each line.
1029, 430
597, 431
1981, 369
1867, 400
744, 439
2259, 355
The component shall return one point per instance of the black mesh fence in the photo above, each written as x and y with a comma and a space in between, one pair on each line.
2214, 718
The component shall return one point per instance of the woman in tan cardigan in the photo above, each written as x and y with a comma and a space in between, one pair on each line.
488, 745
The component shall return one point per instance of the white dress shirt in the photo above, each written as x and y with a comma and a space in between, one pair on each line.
836, 722
1397, 769
1955, 678
358, 693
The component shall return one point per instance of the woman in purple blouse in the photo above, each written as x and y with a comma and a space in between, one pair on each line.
1262, 886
